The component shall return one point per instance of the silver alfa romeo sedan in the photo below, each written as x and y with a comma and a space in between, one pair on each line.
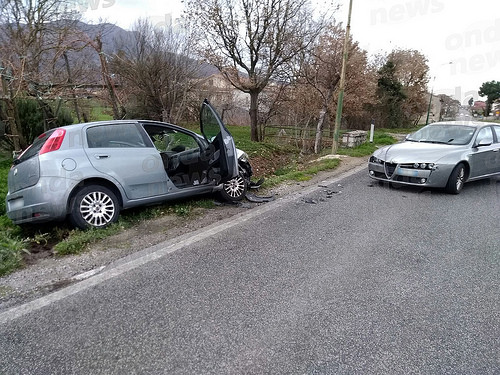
441, 155
88, 172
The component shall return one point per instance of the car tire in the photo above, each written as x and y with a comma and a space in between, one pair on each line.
234, 190
94, 206
457, 179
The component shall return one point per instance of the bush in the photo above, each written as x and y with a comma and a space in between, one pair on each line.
11, 250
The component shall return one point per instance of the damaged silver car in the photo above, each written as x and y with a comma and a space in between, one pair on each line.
87, 173
441, 155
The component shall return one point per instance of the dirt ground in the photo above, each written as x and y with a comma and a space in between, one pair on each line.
46, 274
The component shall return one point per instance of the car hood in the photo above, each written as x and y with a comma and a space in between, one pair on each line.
414, 152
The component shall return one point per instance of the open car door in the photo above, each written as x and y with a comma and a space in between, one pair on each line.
223, 159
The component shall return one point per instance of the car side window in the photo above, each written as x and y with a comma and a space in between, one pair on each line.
484, 133
114, 136
170, 140
497, 133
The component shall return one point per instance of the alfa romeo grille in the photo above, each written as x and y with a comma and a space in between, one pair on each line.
389, 169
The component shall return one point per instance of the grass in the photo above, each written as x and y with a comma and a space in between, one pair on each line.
380, 138
298, 173
78, 240
100, 113
12, 245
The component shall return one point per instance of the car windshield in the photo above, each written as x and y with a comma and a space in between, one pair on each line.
445, 134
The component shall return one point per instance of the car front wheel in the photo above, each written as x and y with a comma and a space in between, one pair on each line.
94, 206
235, 189
456, 180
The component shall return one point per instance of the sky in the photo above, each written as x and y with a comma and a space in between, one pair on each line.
460, 38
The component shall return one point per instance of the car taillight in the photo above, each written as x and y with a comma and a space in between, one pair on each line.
54, 142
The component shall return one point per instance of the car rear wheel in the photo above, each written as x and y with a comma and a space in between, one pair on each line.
235, 189
457, 179
94, 206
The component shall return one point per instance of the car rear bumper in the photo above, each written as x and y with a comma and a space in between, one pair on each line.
437, 177
45, 201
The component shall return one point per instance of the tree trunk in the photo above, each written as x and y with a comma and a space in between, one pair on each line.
322, 116
254, 129
319, 130
305, 138
13, 117
70, 81
118, 110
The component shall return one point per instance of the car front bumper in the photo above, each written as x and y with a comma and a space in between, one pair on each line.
435, 177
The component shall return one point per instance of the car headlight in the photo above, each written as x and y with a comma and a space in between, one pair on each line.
243, 157
430, 166
374, 159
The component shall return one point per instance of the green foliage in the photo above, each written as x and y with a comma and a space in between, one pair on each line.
64, 117
11, 246
5, 163
11, 249
296, 173
491, 90
367, 148
391, 96
241, 135
31, 118
100, 113
78, 240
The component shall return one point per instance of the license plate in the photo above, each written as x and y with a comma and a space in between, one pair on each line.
15, 204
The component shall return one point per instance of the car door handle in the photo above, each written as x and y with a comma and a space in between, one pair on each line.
496, 150
101, 156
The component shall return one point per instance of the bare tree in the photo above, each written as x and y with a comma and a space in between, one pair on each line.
319, 68
158, 70
252, 41
411, 70
30, 33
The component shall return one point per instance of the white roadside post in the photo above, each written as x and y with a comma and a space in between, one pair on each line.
372, 129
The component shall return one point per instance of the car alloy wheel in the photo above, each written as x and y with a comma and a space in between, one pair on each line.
460, 179
94, 206
235, 189
457, 179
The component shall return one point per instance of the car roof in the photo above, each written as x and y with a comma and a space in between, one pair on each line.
475, 124
116, 122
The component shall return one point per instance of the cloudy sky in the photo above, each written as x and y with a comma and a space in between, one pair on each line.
460, 38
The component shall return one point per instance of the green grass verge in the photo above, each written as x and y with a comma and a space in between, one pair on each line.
12, 245
379, 139
77, 240
296, 173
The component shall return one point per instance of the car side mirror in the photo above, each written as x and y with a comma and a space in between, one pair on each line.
484, 142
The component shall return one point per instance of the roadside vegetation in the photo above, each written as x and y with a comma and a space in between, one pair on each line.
278, 163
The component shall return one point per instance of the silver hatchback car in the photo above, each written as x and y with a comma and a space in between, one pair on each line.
441, 155
89, 172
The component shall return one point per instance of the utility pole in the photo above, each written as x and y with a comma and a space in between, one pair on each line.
430, 102
340, 103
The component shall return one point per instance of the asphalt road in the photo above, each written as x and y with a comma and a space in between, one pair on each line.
360, 278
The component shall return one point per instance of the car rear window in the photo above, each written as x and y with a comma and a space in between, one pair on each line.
114, 135
35, 147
